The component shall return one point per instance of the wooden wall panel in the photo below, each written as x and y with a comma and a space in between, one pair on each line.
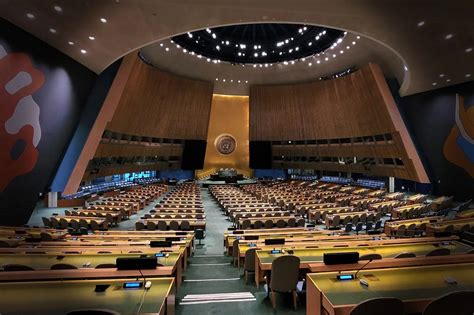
355, 105
127, 150
158, 104
344, 107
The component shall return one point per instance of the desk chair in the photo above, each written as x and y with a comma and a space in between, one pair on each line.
139, 226
454, 303
246, 224
103, 266
268, 224
150, 226
162, 226
405, 255
257, 224
185, 226
292, 222
62, 267
235, 252
249, 266
174, 225
199, 235
46, 222
370, 257
439, 252
301, 222
348, 227
387, 306
280, 223
284, 277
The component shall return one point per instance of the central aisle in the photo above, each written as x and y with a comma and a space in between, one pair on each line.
210, 272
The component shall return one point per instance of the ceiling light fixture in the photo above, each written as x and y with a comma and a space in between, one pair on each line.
83, 51
70, 43
468, 50
468, 75
91, 37
103, 20
246, 81
30, 15
448, 36
448, 80
52, 30
58, 8
434, 83
421, 23
167, 49
441, 75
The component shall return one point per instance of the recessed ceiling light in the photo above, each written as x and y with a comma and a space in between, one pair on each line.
326, 58
468, 49
246, 81
310, 64
448, 36
318, 61
30, 15
353, 43
441, 75
421, 23
161, 45
358, 37
83, 51
223, 80
231, 80
342, 51
58, 8
167, 49
52, 30
434, 83
70, 43
217, 79
468, 75
238, 81
405, 67
91, 37
448, 80
103, 20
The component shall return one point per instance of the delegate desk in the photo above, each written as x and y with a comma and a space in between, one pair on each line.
415, 286
60, 297
193, 223
85, 264
462, 224
391, 227
264, 259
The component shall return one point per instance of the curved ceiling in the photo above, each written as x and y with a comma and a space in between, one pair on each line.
434, 40
259, 43
351, 51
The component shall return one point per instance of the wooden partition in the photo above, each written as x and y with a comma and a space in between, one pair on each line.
158, 104
347, 124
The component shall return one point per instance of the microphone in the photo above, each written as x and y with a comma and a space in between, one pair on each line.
362, 281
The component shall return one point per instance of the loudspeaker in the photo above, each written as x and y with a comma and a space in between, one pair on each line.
275, 241
193, 154
173, 239
136, 263
260, 154
341, 258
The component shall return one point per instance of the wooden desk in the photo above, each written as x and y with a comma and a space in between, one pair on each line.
194, 223
263, 259
86, 261
415, 286
60, 297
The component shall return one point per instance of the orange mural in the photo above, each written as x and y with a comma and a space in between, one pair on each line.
459, 146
